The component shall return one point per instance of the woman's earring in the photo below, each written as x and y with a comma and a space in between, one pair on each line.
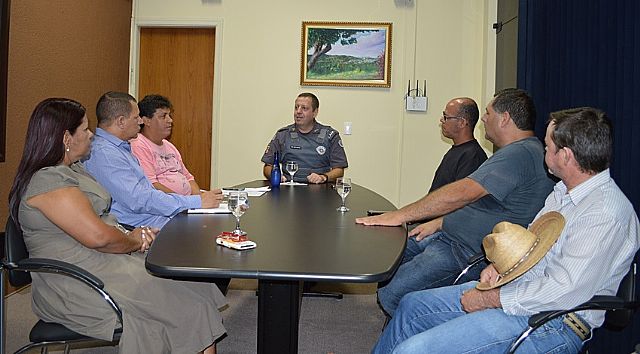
67, 149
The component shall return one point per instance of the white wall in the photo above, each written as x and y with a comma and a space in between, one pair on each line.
391, 151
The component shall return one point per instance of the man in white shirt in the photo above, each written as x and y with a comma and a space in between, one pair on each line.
591, 256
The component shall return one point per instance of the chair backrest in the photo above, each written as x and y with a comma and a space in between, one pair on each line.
15, 251
619, 319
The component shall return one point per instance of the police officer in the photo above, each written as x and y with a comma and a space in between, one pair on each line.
316, 148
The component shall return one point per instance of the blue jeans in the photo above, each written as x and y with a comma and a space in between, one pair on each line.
432, 321
431, 263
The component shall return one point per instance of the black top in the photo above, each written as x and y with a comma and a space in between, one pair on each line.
299, 233
459, 162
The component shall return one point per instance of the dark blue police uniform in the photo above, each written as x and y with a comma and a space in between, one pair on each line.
318, 151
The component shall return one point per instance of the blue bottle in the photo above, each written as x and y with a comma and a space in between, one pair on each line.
276, 174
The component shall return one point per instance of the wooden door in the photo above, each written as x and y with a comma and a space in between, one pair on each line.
178, 64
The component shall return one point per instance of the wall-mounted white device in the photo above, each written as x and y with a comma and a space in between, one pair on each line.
416, 99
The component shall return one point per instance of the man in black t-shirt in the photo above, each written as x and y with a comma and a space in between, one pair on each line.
458, 120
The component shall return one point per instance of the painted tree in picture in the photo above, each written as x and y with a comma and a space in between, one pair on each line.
346, 54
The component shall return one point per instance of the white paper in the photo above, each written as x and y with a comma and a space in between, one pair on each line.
252, 192
222, 209
292, 184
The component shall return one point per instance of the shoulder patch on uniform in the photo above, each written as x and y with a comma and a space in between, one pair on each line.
321, 150
331, 132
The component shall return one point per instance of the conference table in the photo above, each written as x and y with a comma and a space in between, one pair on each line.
300, 237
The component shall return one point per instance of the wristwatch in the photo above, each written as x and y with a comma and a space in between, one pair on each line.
326, 178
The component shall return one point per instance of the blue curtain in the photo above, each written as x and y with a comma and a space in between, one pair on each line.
574, 53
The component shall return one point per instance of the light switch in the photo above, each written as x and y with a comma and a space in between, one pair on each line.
347, 128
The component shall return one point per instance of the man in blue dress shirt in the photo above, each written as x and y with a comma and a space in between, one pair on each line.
135, 201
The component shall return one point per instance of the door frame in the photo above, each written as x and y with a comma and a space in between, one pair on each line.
137, 23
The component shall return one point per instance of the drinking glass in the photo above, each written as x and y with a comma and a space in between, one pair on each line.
343, 187
292, 168
238, 203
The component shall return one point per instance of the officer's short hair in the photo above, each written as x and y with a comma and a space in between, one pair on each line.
315, 103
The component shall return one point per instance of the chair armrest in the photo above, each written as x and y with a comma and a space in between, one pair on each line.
471, 262
45, 265
55, 266
598, 302
476, 258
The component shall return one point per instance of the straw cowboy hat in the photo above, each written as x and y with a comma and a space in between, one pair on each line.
513, 249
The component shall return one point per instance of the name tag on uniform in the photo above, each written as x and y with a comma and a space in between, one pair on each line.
295, 147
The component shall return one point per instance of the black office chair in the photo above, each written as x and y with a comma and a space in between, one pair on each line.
619, 309
17, 265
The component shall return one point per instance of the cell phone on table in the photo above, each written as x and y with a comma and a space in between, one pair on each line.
236, 245
376, 212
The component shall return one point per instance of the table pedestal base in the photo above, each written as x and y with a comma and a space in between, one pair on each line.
278, 315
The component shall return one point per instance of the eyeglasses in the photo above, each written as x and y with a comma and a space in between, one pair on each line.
445, 117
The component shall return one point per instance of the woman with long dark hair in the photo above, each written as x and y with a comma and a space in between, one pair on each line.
64, 214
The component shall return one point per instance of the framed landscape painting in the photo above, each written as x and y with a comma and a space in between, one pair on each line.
354, 54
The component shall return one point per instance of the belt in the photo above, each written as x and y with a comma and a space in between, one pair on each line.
577, 325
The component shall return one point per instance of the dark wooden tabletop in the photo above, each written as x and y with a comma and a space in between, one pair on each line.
299, 233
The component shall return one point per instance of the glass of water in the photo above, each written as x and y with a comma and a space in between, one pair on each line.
292, 168
238, 203
343, 187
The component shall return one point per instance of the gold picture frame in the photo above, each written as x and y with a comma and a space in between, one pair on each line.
360, 54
